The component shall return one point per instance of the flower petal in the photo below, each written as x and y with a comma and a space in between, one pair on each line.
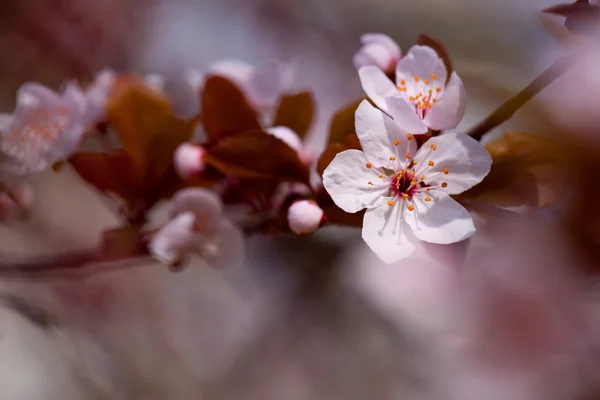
404, 115
460, 162
421, 62
31, 95
171, 242
227, 251
386, 234
378, 50
347, 178
236, 70
381, 38
450, 108
377, 86
377, 134
440, 220
287, 136
205, 206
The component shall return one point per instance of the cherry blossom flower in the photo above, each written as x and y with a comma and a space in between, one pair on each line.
422, 98
304, 217
46, 127
406, 191
261, 85
378, 50
198, 227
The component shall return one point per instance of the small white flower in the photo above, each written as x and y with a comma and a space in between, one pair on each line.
261, 85
406, 191
420, 99
46, 127
304, 217
378, 50
198, 227
189, 160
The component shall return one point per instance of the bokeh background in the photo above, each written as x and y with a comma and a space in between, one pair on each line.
317, 318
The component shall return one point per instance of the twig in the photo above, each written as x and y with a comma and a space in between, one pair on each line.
508, 109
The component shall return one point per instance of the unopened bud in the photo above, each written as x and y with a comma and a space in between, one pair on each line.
305, 217
379, 50
189, 160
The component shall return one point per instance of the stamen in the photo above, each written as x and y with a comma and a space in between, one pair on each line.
417, 79
433, 147
369, 165
422, 177
433, 76
390, 203
380, 175
431, 163
439, 89
407, 155
370, 183
410, 207
428, 189
405, 195
396, 142
446, 171
444, 184
410, 136
426, 81
427, 198
403, 82
392, 158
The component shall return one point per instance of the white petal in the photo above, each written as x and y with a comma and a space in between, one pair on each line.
32, 94
204, 204
377, 86
155, 82
287, 136
381, 38
194, 79
347, 178
404, 115
304, 217
171, 243
466, 159
189, 160
377, 133
228, 250
236, 70
421, 62
386, 234
441, 220
450, 107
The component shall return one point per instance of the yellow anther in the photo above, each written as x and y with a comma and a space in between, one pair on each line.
434, 100
410, 207
407, 155
446, 171
427, 198
444, 184
417, 79
403, 82
369, 165
428, 189
390, 203
392, 158
370, 183
410, 136
380, 175
439, 89
396, 142
411, 98
431, 163
405, 195
426, 81
430, 91
433, 76
422, 177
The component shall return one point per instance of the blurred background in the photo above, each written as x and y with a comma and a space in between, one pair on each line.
317, 318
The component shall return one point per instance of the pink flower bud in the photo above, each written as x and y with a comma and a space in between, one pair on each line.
189, 160
379, 50
305, 217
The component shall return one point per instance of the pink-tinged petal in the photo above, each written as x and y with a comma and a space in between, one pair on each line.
170, 244
450, 108
347, 178
377, 86
155, 82
460, 162
205, 205
378, 50
31, 95
386, 234
419, 64
404, 115
228, 250
304, 217
437, 218
194, 79
380, 137
287, 136
268, 82
189, 160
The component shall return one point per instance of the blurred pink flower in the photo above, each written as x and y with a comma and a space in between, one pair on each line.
304, 217
198, 227
420, 99
378, 50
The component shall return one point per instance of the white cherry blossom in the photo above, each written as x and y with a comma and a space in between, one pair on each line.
378, 50
405, 190
45, 128
198, 227
422, 97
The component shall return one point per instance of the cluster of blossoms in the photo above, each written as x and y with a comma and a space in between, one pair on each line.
400, 163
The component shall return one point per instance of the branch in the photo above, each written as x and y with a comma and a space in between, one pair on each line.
508, 109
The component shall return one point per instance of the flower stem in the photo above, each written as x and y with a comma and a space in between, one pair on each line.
508, 109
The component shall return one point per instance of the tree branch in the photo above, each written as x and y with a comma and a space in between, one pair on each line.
508, 109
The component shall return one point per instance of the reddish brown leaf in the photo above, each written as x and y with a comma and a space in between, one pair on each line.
296, 111
256, 155
225, 109
342, 123
439, 48
112, 172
